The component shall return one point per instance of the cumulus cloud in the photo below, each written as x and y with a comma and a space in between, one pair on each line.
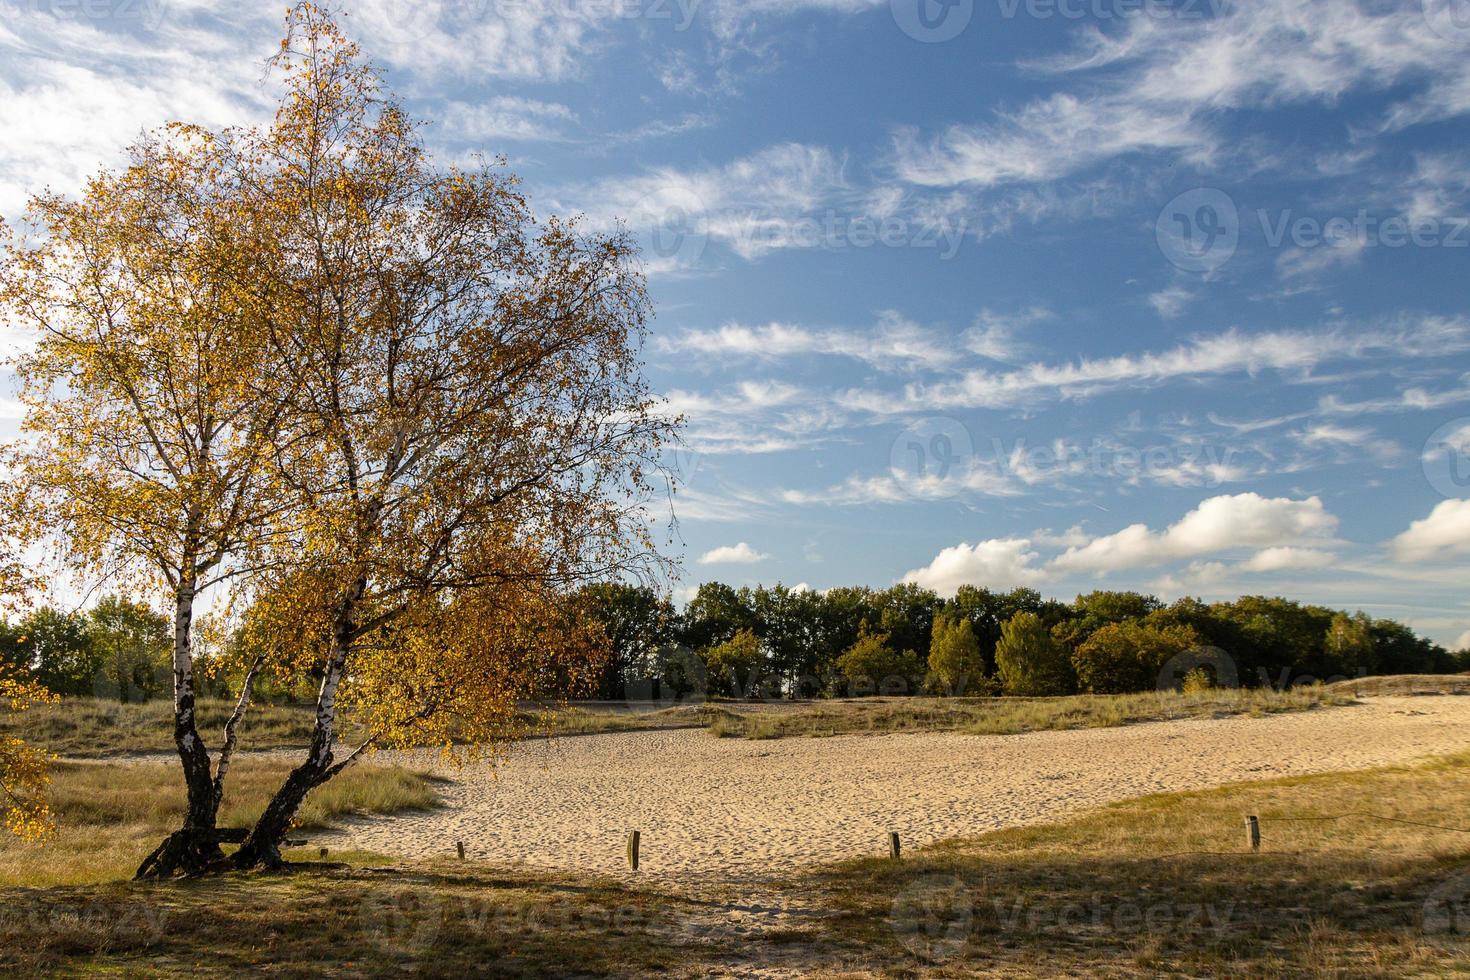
1002, 563
738, 554
1218, 525
1445, 533
1286, 559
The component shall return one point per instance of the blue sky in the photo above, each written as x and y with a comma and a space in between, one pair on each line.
1071, 294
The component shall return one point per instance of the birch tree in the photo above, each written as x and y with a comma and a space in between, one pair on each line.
468, 433
148, 416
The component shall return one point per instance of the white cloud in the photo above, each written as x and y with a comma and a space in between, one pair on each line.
1463, 643
997, 564
1286, 559
1171, 301
1043, 141
506, 118
1301, 263
1445, 533
1220, 524
895, 344
899, 487
1229, 353
1354, 437
739, 554
1167, 80
755, 204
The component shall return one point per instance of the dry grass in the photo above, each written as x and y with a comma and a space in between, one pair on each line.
94, 728
340, 921
1167, 886
1008, 716
85, 728
1399, 685
109, 815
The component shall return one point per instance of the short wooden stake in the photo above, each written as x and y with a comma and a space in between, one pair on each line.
634, 838
459, 846
324, 854
1253, 832
894, 847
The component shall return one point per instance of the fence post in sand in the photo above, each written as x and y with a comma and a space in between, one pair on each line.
459, 846
894, 847
324, 854
1253, 832
634, 838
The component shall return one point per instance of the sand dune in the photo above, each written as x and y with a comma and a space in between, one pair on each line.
725, 809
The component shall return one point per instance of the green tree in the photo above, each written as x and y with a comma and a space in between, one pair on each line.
54, 649
637, 622
715, 614
1281, 639
1093, 611
735, 666
1349, 645
1398, 650
955, 664
131, 649
1127, 656
1030, 661
871, 666
905, 614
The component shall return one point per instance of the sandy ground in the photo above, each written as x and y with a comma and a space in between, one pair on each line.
726, 809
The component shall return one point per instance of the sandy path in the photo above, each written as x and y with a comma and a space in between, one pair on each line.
731, 809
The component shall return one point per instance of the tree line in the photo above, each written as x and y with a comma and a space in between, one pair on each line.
118, 649
855, 641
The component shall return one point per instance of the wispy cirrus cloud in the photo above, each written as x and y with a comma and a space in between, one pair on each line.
1232, 352
1157, 85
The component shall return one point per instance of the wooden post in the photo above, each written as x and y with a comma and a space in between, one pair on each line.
634, 838
324, 854
1253, 832
459, 846
894, 848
